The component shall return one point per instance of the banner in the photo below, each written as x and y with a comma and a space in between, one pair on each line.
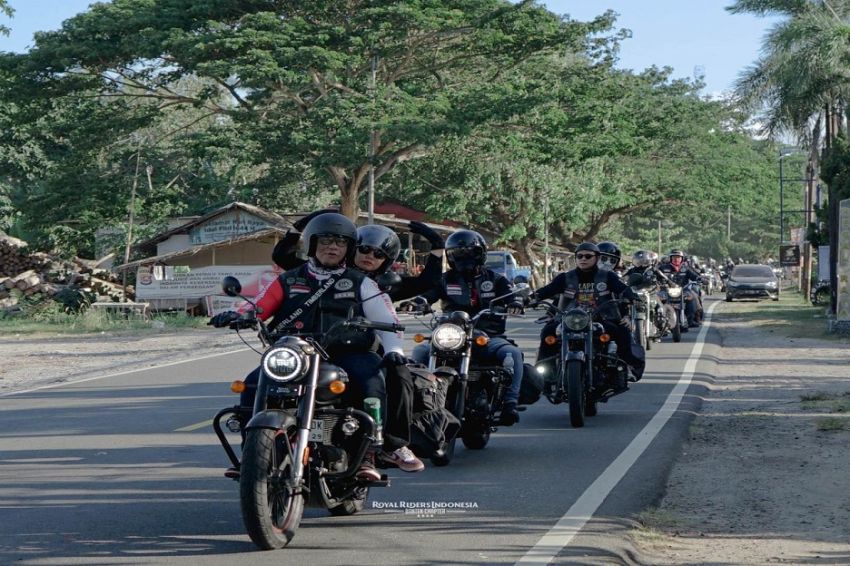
823, 263
225, 227
202, 281
789, 256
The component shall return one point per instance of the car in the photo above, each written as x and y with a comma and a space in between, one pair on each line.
503, 263
752, 281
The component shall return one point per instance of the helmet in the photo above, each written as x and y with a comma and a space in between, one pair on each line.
611, 252
466, 250
328, 224
642, 258
677, 251
380, 238
653, 258
588, 247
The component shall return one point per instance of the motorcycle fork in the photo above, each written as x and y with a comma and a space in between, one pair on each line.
306, 411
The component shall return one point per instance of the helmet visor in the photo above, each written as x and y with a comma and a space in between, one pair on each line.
465, 252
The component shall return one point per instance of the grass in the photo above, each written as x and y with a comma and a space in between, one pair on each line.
831, 424
95, 321
654, 524
790, 316
830, 402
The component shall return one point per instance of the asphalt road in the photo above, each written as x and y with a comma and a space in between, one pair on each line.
126, 470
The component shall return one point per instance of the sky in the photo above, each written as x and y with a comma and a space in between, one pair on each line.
683, 34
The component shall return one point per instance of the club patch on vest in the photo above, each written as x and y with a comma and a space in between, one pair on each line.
487, 295
601, 287
344, 284
345, 295
296, 289
486, 286
454, 290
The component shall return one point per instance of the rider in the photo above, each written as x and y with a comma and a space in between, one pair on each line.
679, 271
469, 286
590, 286
329, 239
646, 262
609, 256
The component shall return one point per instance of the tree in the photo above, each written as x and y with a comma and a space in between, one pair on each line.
295, 78
5, 9
802, 82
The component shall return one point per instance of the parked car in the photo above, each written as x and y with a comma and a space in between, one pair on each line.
503, 262
751, 281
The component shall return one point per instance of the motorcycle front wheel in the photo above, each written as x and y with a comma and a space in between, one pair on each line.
575, 392
477, 438
270, 511
640, 329
675, 328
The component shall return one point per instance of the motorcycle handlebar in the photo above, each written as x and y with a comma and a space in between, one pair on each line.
368, 324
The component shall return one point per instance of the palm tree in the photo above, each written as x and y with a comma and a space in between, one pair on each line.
802, 81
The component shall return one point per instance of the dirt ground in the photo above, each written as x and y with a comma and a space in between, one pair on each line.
764, 477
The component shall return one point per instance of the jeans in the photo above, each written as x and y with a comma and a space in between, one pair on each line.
494, 352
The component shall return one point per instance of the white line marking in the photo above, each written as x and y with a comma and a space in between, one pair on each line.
54, 385
568, 526
196, 426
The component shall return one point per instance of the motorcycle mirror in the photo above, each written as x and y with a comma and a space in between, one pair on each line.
522, 289
388, 280
231, 286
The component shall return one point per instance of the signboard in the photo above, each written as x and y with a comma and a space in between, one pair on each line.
823, 263
842, 308
202, 281
789, 256
227, 226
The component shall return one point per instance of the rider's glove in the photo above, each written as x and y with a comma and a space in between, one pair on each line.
223, 319
429, 234
515, 308
393, 359
414, 304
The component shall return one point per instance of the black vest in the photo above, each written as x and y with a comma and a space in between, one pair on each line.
601, 293
456, 295
331, 307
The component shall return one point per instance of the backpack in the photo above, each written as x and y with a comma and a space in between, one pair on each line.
531, 387
432, 425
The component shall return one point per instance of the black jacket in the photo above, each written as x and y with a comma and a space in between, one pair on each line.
457, 294
592, 288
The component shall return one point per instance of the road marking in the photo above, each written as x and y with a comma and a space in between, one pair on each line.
196, 426
74, 382
552, 543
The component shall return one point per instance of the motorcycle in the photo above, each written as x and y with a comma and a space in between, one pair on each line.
476, 392
670, 299
820, 293
643, 314
587, 370
301, 445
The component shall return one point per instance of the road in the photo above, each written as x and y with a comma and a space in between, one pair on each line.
126, 470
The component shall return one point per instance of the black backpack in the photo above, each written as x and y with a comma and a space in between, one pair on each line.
432, 425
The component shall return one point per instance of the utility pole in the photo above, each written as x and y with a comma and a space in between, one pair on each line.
729, 222
806, 273
372, 136
130, 224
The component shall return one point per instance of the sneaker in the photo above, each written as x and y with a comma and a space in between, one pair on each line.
367, 471
404, 458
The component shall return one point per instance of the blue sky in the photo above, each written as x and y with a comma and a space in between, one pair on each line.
682, 34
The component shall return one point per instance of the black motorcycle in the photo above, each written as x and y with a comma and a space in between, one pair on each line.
654, 318
821, 293
587, 370
476, 392
301, 444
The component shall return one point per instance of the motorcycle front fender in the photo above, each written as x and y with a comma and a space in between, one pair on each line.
576, 355
273, 419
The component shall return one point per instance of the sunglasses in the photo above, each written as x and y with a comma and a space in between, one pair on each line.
585, 256
328, 240
608, 259
376, 252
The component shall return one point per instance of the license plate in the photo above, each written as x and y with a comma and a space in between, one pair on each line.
317, 432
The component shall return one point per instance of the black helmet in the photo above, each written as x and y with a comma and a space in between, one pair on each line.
380, 238
677, 251
611, 250
466, 250
643, 258
328, 224
588, 247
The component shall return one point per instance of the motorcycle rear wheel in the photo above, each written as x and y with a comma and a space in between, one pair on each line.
477, 438
575, 392
270, 512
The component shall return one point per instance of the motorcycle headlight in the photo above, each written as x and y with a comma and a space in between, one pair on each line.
283, 364
448, 337
674, 292
576, 320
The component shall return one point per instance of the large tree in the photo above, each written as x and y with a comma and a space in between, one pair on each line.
307, 84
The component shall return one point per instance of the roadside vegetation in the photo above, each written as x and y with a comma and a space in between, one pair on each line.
791, 316
54, 321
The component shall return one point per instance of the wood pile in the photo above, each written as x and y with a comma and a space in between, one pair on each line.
39, 276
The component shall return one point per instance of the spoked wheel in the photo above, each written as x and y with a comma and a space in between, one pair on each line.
270, 511
576, 393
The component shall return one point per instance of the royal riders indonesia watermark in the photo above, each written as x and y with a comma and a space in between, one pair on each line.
425, 508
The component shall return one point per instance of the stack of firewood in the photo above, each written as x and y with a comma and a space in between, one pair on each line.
40, 276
